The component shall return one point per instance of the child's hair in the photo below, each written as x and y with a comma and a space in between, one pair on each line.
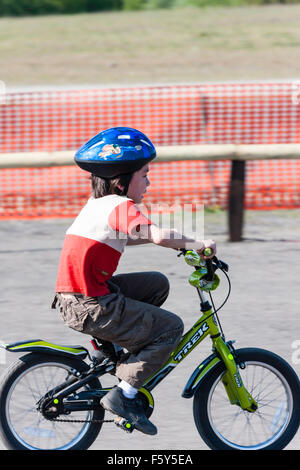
102, 187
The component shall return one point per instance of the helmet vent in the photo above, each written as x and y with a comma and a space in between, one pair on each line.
97, 144
144, 141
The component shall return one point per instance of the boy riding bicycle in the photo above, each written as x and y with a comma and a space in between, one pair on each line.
124, 309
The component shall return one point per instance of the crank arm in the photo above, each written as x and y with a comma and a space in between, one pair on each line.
75, 405
84, 400
88, 395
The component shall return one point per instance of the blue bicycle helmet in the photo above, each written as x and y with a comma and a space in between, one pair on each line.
114, 152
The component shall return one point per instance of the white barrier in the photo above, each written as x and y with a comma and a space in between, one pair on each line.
164, 153
238, 154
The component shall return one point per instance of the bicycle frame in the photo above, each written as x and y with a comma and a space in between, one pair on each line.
206, 325
222, 352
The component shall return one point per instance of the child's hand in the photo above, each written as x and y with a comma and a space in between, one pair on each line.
208, 244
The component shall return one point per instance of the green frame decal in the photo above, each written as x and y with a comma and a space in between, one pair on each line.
44, 346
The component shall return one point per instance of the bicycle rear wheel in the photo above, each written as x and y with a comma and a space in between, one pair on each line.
22, 425
275, 387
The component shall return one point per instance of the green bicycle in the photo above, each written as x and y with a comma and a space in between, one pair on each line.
244, 399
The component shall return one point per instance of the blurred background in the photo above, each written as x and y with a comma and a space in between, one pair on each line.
215, 84
210, 82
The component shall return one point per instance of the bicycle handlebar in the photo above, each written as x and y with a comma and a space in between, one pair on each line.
212, 264
210, 271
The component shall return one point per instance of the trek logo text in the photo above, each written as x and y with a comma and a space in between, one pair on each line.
191, 342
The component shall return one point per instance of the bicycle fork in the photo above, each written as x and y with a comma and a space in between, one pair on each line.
232, 380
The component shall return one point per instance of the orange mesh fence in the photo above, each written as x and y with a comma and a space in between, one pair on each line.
62, 191
57, 120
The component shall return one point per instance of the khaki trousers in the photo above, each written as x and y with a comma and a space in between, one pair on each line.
130, 317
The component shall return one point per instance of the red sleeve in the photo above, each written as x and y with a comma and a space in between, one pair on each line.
126, 218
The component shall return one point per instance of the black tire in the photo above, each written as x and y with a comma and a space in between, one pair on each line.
212, 420
41, 434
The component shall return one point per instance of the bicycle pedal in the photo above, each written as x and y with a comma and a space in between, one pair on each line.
124, 424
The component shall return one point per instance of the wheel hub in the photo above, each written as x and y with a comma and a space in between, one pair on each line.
50, 408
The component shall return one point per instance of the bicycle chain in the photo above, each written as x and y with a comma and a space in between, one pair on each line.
82, 420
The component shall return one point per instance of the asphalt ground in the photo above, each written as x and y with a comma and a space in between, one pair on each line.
262, 311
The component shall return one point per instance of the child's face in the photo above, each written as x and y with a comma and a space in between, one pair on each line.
138, 184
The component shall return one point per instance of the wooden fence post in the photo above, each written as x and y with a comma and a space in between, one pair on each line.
236, 200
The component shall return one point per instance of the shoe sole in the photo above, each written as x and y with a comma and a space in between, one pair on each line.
136, 426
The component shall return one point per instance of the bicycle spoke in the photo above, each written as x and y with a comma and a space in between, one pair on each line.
27, 423
251, 430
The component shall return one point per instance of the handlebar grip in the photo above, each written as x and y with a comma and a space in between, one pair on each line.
207, 252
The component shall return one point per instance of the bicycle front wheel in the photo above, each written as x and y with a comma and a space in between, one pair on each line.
275, 387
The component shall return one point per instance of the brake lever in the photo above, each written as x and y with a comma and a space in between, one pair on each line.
182, 252
220, 264
212, 265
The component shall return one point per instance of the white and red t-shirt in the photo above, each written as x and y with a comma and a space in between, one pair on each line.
94, 243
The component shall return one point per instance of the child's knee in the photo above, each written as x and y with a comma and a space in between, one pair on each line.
162, 281
161, 286
172, 332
